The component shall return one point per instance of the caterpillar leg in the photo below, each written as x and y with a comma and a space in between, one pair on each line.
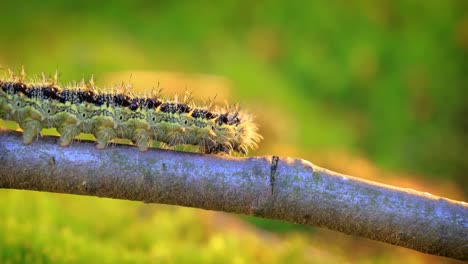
5, 109
31, 128
142, 139
176, 136
67, 134
103, 136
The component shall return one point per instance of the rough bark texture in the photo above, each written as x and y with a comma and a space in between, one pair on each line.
273, 187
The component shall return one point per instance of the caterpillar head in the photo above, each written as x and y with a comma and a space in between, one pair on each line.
225, 134
247, 136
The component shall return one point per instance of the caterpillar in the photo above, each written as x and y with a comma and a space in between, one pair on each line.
117, 113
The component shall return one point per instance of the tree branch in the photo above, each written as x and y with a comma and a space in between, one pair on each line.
272, 187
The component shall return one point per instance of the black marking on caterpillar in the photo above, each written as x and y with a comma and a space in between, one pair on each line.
117, 113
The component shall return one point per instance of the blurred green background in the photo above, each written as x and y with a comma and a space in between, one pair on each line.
372, 89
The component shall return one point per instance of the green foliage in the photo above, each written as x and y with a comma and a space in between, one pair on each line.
56, 228
278, 226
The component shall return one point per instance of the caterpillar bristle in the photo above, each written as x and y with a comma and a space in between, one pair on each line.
23, 74
119, 113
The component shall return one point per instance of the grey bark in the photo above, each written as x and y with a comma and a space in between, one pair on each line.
287, 189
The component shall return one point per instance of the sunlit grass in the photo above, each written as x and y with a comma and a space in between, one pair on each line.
38, 227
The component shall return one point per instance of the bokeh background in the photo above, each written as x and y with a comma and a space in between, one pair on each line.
374, 89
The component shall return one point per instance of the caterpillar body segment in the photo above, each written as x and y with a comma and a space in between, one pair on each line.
114, 114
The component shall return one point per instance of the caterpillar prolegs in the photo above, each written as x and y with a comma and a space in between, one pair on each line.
117, 113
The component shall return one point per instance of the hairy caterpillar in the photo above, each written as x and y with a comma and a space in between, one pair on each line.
117, 113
